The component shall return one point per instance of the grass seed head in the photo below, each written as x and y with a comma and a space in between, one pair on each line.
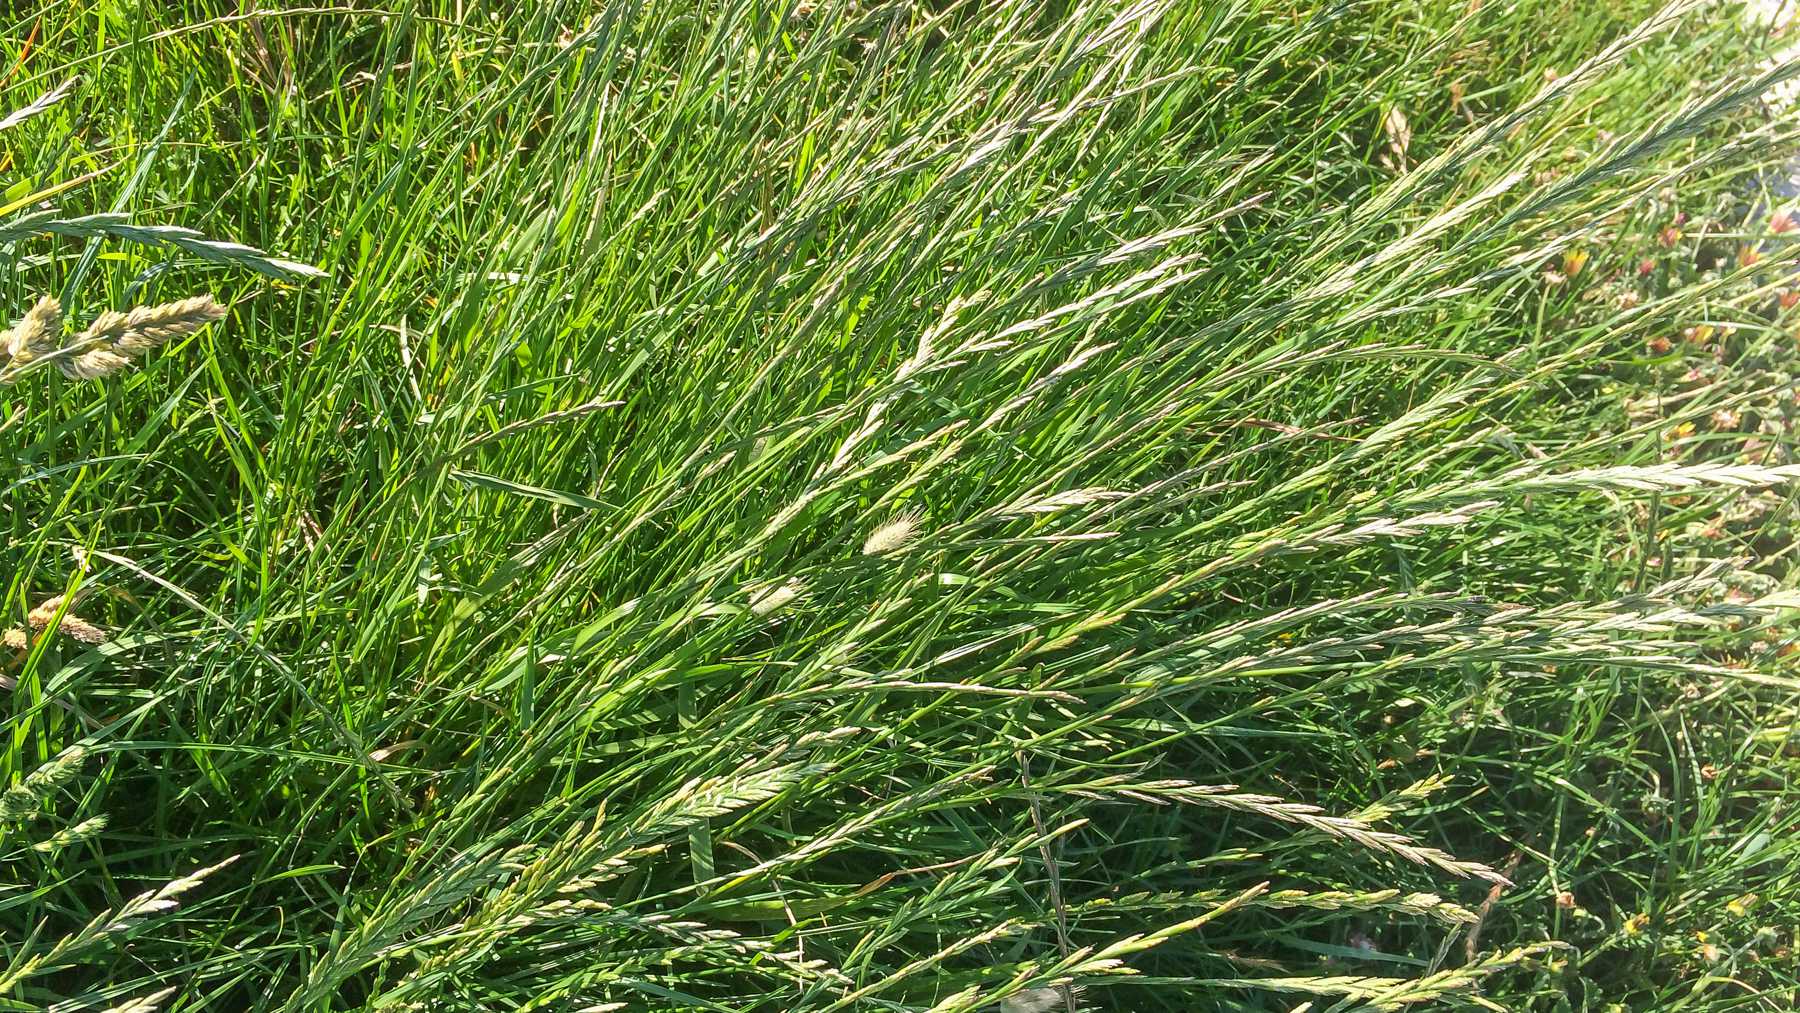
1060, 501
37, 333
772, 598
139, 330
93, 364
71, 624
115, 338
85, 830
143, 1004
894, 536
1040, 1000
22, 801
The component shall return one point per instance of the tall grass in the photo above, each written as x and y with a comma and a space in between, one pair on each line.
901, 506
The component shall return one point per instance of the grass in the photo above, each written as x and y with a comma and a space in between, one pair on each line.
756, 506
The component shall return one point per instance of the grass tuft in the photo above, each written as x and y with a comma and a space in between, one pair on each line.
1357, 437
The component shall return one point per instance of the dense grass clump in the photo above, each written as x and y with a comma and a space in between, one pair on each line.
862, 505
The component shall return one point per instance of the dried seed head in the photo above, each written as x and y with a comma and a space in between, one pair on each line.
45, 612
17, 639
37, 333
115, 338
894, 536
139, 330
71, 624
772, 598
93, 364
110, 342
82, 630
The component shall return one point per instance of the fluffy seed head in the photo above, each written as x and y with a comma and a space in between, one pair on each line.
93, 364
772, 598
893, 536
17, 639
71, 624
37, 333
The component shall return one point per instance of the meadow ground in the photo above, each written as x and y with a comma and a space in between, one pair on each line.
929, 505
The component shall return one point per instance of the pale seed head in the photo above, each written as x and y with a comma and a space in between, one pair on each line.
143, 328
72, 624
1039, 1000
772, 598
894, 536
1058, 501
115, 338
37, 333
93, 364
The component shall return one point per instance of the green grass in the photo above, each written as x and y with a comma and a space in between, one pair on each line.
1334, 488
